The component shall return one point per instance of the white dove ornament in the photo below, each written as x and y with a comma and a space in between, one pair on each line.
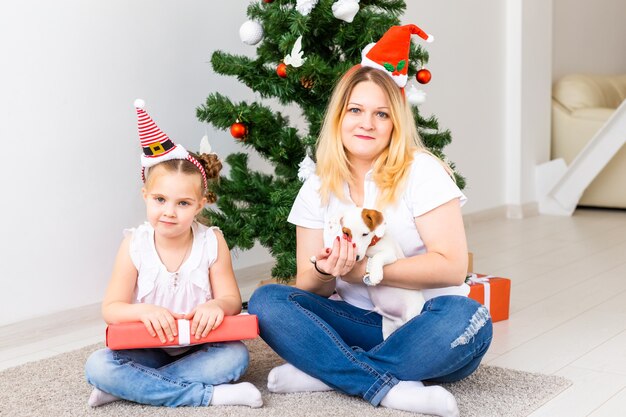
304, 7
205, 146
295, 57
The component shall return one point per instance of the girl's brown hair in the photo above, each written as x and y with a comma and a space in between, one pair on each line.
210, 162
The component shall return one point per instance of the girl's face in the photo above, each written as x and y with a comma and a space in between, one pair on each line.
366, 127
172, 201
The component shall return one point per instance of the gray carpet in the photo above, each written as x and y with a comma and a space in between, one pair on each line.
56, 387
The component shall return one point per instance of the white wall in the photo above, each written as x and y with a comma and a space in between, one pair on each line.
466, 93
536, 89
70, 173
491, 64
589, 37
71, 70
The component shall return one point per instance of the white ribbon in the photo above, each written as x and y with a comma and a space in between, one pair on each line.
184, 333
485, 282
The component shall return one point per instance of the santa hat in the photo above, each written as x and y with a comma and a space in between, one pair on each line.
157, 146
391, 52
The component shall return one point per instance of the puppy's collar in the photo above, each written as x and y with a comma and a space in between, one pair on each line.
374, 241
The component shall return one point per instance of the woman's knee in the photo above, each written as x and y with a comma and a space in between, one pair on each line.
267, 298
475, 321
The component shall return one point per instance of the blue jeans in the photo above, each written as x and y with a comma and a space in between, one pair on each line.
342, 345
151, 376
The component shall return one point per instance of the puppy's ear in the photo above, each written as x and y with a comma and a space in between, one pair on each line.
374, 220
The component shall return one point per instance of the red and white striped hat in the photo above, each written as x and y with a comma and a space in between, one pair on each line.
391, 52
157, 146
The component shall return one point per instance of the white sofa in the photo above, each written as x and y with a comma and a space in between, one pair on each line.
581, 104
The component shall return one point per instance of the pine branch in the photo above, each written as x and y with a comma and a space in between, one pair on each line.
251, 206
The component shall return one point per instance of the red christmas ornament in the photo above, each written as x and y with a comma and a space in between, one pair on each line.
281, 70
423, 76
238, 130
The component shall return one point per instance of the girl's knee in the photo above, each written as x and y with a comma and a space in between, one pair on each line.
97, 366
238, 352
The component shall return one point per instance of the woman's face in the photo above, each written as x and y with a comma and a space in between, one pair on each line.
366, 127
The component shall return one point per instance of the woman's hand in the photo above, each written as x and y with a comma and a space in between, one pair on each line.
338, 260
159, 321
206, 317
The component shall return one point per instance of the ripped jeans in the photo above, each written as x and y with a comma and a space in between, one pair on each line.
342, 345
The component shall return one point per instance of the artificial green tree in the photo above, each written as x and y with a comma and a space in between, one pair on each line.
253, 206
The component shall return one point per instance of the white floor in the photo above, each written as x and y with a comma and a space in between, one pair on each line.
568, 307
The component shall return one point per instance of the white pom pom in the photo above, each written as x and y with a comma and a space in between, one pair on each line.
140, 104
345, 9
205, 146
251, 32
430, 39
415, 96
307, 168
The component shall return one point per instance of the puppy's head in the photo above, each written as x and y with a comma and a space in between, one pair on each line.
360, 226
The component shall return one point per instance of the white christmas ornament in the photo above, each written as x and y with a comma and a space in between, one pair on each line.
307, 168
415, 96
345, 9
251, 32
304, 7
205, 146
295, 57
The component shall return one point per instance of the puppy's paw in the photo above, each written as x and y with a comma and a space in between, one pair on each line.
375, 276
375, 272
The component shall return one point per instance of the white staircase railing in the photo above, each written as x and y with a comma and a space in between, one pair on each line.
560, 187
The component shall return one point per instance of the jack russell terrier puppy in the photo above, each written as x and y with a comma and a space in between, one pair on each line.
366, 229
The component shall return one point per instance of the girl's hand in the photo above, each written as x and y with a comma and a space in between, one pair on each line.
160, 321
338, 260
206, 317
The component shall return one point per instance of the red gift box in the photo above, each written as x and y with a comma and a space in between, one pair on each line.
134, 335
492, 292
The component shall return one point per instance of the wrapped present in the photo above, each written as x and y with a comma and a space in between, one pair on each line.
134, 335
492, 292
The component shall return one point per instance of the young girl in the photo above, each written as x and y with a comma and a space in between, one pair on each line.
170, 268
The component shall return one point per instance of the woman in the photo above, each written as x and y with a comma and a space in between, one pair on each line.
369, 155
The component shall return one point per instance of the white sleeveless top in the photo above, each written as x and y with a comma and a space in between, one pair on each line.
179, 291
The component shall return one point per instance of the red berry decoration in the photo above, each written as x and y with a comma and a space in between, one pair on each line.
238, 130
281, 70
423, 76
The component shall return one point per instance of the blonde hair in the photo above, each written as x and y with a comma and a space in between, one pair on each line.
393, 165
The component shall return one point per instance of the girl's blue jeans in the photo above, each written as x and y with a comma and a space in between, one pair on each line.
342, 345
151, 376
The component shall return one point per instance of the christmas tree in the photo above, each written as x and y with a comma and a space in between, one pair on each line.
303, 47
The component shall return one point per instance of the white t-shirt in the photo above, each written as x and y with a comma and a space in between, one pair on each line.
428, 186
